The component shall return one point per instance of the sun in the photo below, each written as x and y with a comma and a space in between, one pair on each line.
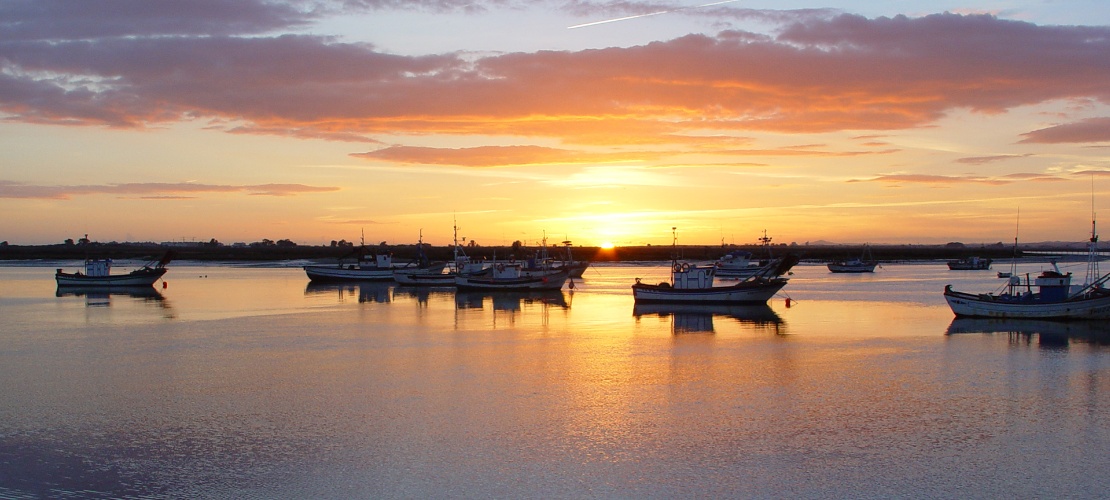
608, 245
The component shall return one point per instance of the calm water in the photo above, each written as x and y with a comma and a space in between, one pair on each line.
247, 382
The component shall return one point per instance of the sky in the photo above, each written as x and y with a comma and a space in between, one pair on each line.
597, 122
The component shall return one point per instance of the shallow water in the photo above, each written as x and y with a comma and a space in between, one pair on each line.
248, 382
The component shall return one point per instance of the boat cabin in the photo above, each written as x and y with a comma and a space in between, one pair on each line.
1053, 286
693, 277
98, 267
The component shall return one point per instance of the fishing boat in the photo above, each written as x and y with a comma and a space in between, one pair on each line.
740, 265
864, 264
98, 273
378, 267
509, 277
694, 284
461, 265
970, 264
574, 268
1048, 296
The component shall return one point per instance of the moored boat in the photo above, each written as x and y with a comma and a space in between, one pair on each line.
864, 264
378, 268
970, 264
1049, 296
694, 284
509, 277
98, 273
740, 265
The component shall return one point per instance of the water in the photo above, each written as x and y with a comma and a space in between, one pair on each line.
247, 382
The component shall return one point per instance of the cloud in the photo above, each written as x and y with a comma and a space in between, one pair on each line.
982, 160
1089, 130
821, 73
960, 179
496, 156
71, 20
152, 191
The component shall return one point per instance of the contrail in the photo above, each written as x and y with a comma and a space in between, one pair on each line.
595, 23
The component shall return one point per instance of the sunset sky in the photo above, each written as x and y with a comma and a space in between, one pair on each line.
883, 122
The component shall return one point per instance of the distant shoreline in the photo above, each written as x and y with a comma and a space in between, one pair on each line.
882, 253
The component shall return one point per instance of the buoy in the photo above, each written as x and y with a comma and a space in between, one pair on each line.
571, 284
164, 285
788, 302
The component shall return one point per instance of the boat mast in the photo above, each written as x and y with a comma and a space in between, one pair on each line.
1092, 247
674, 246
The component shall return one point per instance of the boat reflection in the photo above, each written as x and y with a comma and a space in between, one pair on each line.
510, 301
101, 296
104, 293
1047, 333
365, 291
698, 318
423, 293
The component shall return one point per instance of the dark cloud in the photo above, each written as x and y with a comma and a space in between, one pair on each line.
821, 73
1089, 130
81, 19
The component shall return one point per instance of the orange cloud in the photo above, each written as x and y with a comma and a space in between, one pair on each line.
959, 179
496, 156
153, 190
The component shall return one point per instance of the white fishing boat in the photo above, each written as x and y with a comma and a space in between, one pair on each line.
694, 284
462, 265
864, 264
98, 273
509, 276
379, 267
737, 265
574, 268
970, 264
1048, 296
740, 265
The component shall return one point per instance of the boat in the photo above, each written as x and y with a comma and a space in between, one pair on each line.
540, 263
694, 284
1048, 296
379, 267
98, 273
970, 264
510, 277
461, 265
739, 264
574, 268
864, 264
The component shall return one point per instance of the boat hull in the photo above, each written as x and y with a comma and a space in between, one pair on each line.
966, 305
550, 281
852, 268
331, 274
746, 292
140, 277
418, 279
